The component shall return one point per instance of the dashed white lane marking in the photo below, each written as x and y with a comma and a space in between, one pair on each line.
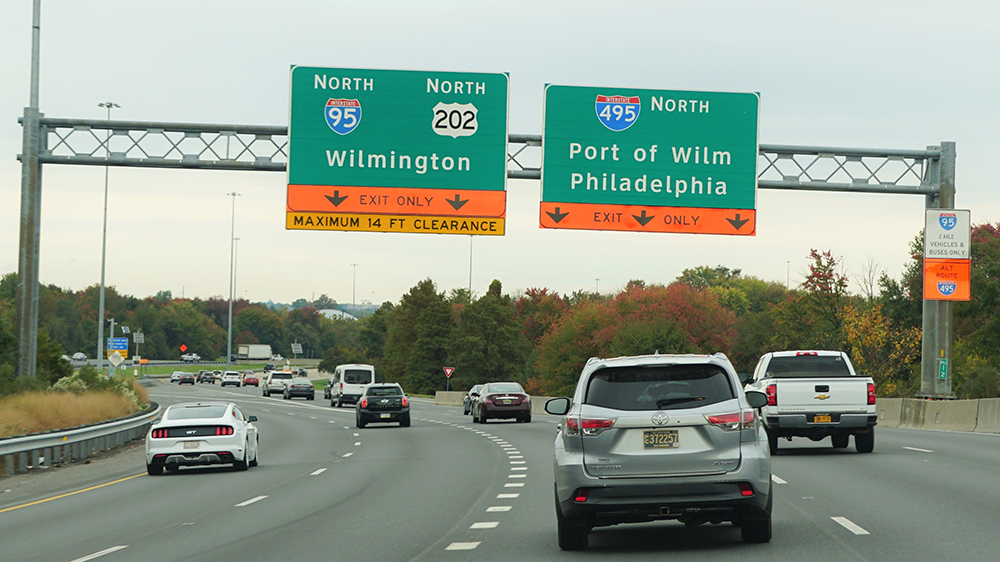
101, 553
333, 421
250, 501
317, 472
356, 434
518, 462
778, 479
312, 417
918, 450
347, 427
516, 457
512, 452
514, 485
850, 525
499, 508
358, 443
507, 496
290, 414
347, 454
265, 409
519, 468
485, 525
462, 546
517, 476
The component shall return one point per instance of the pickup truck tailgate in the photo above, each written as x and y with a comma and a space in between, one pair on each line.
828, 394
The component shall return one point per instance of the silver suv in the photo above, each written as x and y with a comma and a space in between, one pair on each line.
661, 437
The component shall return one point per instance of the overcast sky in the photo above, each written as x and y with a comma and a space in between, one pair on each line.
856, 74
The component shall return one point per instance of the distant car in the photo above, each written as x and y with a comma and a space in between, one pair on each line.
186, 378
251, 380
383, 403
176, 376
79, 356
66, 358
299, 386
206, 377
502, 400
190, 358
268, 367
349, 383
277, 358
217, 375
231, 377
469, 398
275, 382
200, 434
327, 388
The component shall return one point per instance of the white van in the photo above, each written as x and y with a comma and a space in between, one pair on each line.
349, 382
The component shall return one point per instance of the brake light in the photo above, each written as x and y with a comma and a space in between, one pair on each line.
341, 387
871, 394
223, 430
404, 402
571, 427
734, 421
746, 489
364, 402
581, 495
772, 394
594, 427
806, 353
159, 433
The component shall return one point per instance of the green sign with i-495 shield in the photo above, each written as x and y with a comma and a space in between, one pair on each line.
397, 150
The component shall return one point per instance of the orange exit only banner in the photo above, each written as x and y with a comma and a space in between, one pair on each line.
638, 218
947, 280
396, 201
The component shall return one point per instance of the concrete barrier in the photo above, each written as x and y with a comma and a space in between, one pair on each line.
953, 415
452, 398
888, 410
911, 413
988, 416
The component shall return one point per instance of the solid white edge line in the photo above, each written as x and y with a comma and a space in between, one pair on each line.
250, 501
99, 554
850, 525
485, 525
462, 546
778, 480
918, 450
317, 472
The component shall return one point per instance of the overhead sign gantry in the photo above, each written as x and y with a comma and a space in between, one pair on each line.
397, 151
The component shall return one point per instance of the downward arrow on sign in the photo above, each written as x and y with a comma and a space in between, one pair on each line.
336, 199
736, 222
643, 219
457, 203
557, 216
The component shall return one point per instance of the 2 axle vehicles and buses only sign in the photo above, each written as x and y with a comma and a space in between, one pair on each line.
947, 257
397, 151
632, 159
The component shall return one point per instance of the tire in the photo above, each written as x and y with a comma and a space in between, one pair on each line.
466, 410
286, 396
527, 418
772, 442
339, 403
404, 422
840, 441
313, 397
865, 442
256, 455
482, 416
758, 528
572, 532
332, 403
265, 393
154, 469
359, 423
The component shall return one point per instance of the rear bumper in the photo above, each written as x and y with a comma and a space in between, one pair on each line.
800, 425
499, 411
213, 450
350, 398
302, 392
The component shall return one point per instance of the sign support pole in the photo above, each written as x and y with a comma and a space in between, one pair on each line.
936, 343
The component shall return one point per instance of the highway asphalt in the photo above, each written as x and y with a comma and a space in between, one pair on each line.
448, 489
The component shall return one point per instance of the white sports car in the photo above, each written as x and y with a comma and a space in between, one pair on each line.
201, 434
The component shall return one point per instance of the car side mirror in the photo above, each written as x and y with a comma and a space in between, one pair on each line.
557, 406
252, 418
756, 399
744, 378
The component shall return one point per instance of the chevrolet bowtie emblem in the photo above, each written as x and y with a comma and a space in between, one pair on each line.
822, 396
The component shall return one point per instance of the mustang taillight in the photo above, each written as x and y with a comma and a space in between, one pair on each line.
159, 433
772, 394
404, 402
871, 394
364, 402
224, 430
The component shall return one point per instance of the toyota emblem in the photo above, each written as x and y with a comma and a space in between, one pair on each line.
660, 419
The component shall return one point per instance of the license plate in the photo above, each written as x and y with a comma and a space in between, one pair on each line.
822, 419
506, 402
190, 444
660, 439
385, 415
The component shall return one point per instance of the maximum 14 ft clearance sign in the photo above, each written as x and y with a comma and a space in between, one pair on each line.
420, 147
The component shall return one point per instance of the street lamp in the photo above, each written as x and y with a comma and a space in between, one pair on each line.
232, 275
354, 288
788, 275
597, 283
104, 239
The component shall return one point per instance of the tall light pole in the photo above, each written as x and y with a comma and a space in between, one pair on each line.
104, 240
788, 275
232, 274
597, 288
470, 270
354, 288
236, 264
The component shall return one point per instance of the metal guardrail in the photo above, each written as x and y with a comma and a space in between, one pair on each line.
18, 454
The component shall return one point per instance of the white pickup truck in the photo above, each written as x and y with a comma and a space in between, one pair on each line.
815, 394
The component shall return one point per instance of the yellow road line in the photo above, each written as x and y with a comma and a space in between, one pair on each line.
71, 493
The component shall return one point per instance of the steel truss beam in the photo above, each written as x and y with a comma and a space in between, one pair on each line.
93, 142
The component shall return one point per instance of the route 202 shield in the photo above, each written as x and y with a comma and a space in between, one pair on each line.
342, 115
948, 220
618, 112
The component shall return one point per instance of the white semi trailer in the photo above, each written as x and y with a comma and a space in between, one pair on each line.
253, 351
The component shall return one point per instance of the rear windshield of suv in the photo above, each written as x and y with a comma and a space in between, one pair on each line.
659, 387
802, 366
281, 375
357, 376
384, 391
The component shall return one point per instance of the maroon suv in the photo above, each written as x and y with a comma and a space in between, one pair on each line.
502, 400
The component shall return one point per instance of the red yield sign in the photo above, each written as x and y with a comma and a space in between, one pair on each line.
448, 371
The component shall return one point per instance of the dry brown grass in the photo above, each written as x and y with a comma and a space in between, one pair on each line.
35, 412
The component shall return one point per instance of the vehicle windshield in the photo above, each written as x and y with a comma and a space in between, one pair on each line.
357, 376
384, 391
807, 366
505, 387
659, 387
475, 389
191, 412
281, 375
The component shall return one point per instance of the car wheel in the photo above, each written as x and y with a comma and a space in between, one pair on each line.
482, 417
256, 454
154, 469
527, 418
772, 442
840, 441
285, 396
265, 394
241, 465
475, 416
313, 397
404, 422
572, 532
340, 404
359, 423
865, 442
465, 410
757, 527
332, 403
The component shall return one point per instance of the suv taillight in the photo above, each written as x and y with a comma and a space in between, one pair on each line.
772, 394
871, 394
404, 402
733, 422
